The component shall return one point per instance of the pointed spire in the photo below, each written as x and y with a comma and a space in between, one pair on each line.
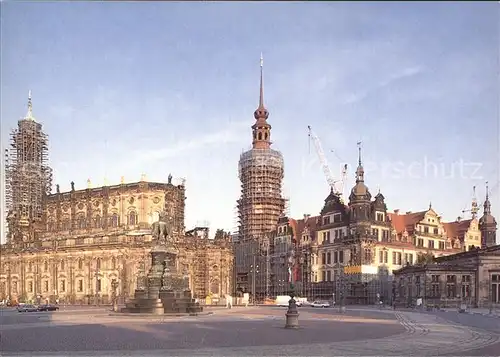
261, 97
29, 114
261, 130
430, 205
487, 204
359, 171
261, 112
359, 153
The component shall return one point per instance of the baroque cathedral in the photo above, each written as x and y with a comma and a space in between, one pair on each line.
79, 244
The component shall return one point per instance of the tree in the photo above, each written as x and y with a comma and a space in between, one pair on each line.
425, 258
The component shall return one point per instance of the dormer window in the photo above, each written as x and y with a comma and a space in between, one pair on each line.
326, 220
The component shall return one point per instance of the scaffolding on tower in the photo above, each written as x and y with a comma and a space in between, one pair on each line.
28, 178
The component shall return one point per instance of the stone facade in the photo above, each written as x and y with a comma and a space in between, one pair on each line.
471, 277
94, 236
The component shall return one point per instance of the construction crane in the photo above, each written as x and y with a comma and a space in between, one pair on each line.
337, 189
474, 209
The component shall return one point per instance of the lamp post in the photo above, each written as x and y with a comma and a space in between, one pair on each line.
292, 314
114, 286
254, 269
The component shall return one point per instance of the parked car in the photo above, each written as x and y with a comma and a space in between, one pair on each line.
47, 307
319, 303
27, 308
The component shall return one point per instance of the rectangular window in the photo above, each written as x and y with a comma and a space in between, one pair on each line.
420, 242
435, 286
335, 257
436, 231
394, 258
426, 229
326, 220
328, 275
323, 258
98, 285
410, 258
417, 284
328, 258
323, 276
63, 285
451, 286
495, 288
431, 244
381, 256
341, 256
441, 245
80, 285
385, 235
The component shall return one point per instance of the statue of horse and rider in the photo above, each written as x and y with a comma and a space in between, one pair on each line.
162, 230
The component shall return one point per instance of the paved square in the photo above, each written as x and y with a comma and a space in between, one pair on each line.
251, 331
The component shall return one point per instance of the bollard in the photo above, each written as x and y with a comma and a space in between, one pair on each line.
292, 314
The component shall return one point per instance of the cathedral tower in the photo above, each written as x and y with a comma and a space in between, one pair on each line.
28, 178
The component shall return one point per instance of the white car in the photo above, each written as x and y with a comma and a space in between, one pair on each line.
319, 303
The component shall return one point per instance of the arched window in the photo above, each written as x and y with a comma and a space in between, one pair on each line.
81, 221
260, 136
45, 266
114, 220
98, 263
265, 136
97, 221
66, 225
214, 287
132, 218
80, 263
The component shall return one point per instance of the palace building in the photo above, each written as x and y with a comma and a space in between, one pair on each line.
350, 250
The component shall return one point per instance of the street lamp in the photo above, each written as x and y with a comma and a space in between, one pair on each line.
254, 269
114, 286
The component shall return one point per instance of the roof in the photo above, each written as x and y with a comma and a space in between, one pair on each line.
310, 223
432, 267
456, 229
470, 253
402, 222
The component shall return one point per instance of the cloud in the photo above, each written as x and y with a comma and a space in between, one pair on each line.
403, 74
233, 133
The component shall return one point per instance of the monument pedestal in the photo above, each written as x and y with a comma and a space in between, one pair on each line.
166, 290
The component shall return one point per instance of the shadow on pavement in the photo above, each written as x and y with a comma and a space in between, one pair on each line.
186, 334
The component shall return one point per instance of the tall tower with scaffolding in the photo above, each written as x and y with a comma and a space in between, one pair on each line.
261, 172
28, 178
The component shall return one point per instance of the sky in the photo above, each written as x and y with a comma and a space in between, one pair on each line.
131, 88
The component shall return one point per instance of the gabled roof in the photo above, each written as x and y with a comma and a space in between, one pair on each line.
310, 223
456, 229
400, 222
